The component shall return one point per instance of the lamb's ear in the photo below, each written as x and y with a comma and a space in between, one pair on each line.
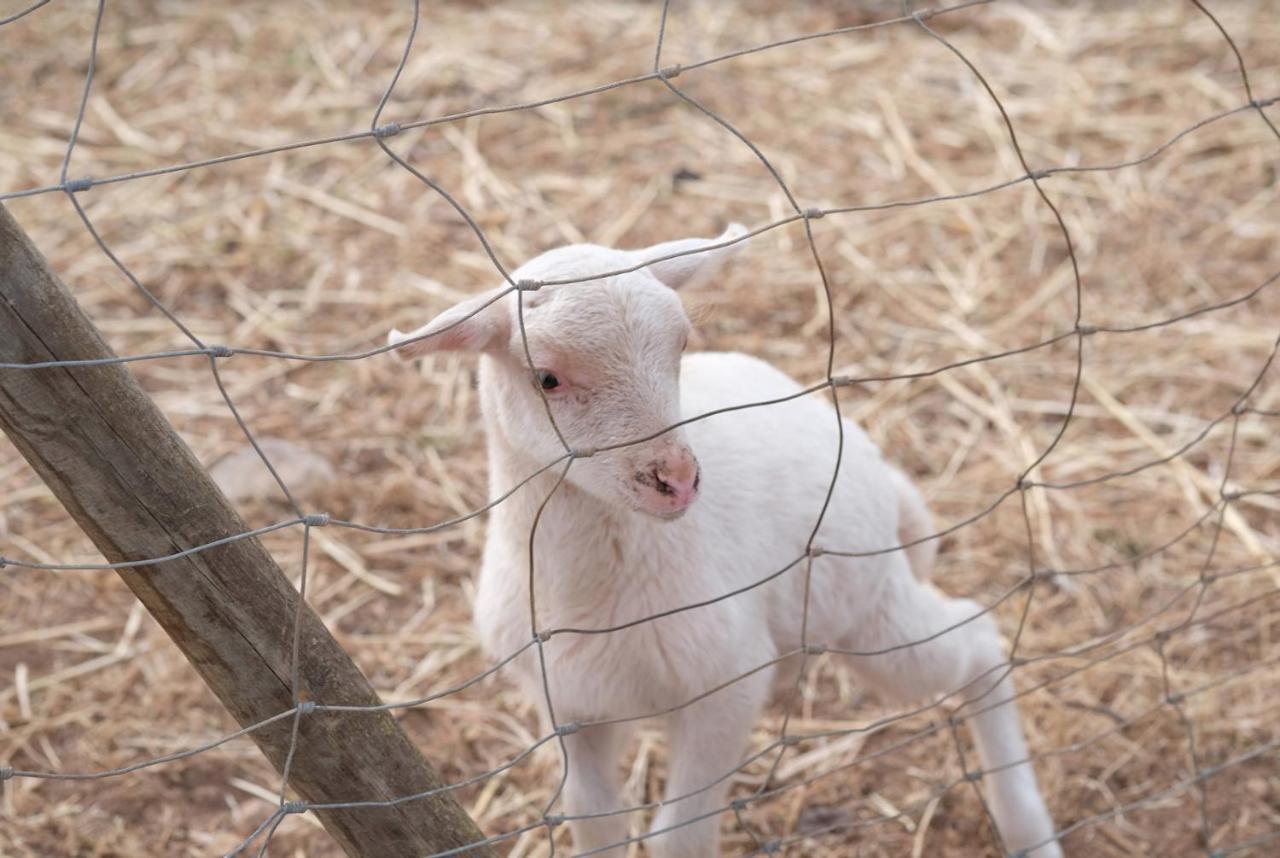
478, 324
682, 270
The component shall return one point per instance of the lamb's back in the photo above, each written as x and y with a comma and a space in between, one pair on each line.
765, 474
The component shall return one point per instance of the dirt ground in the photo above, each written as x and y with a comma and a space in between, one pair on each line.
322, 249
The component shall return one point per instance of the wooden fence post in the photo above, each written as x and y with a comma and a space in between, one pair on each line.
121, 471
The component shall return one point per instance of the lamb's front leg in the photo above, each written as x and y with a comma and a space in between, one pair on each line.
593, 787
707, 741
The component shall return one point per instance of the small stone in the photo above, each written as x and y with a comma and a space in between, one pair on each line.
242, 476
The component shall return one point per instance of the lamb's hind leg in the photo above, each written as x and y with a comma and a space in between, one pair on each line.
968, 659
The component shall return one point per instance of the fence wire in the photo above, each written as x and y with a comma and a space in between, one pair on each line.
949, 715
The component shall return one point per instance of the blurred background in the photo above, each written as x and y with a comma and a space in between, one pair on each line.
322, 249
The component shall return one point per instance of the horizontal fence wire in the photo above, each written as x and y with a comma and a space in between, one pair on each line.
1157, 627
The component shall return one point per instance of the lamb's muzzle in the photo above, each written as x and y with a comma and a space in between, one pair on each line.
667, 486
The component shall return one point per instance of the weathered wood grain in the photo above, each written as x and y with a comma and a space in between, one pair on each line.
121, 471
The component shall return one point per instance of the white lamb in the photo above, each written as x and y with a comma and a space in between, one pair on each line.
684, 518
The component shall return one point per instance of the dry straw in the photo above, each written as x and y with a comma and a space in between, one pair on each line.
1031, 248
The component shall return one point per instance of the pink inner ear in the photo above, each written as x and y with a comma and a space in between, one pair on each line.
468, 333
456, 339
452, 340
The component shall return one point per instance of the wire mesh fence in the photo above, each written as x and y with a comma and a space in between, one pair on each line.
1204, 603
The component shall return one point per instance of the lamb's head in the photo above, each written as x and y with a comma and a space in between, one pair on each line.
605, 353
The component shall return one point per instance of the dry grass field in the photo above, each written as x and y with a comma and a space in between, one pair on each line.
322, 249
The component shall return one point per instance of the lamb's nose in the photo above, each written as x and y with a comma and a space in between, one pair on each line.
678, 480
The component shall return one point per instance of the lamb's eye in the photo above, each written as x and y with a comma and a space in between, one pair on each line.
548, 380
